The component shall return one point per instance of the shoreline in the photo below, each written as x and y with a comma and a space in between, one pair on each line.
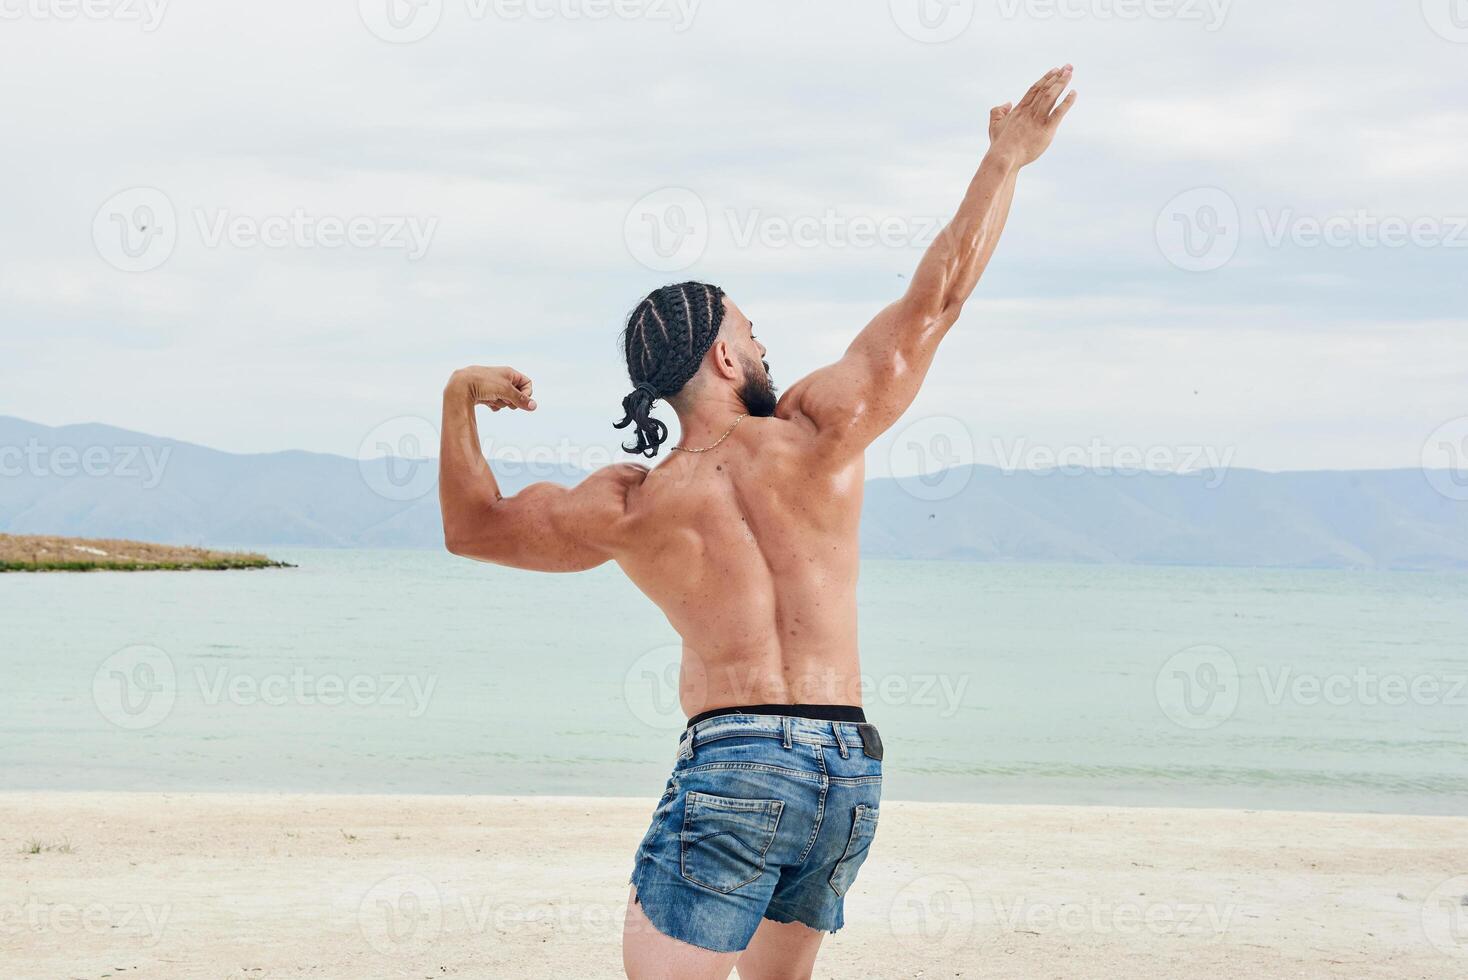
286, 884
266, 793
1451, 806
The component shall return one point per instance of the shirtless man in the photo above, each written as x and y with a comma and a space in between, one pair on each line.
746, 538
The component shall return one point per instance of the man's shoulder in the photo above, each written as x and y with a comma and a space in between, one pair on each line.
615, 478
816, 422
791, 407
600, 504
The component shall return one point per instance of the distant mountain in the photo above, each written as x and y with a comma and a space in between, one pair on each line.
154, 489
98, 481
1344, 519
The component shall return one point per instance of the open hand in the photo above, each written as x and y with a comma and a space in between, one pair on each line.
1026, 129
496, 387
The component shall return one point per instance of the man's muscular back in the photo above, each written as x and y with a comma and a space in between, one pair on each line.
750, 550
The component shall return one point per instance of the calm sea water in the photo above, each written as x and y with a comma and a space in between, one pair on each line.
390, 671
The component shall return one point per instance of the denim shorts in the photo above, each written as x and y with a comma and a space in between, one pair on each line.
764, 817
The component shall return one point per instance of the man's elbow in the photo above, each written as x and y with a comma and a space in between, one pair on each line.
455, 542
931, 306
926, 320
462, 539
467, 522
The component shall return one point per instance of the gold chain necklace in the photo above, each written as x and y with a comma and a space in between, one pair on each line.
682, 449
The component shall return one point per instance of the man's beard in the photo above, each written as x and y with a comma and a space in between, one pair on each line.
758, 392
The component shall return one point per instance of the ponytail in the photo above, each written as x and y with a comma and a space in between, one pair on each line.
651, 433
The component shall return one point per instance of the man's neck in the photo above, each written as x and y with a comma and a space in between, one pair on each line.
710, 417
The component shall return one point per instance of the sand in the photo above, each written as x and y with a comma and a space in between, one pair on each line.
261, 886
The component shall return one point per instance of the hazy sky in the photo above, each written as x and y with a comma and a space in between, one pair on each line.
266, 225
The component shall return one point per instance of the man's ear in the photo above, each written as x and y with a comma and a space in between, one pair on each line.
725, 364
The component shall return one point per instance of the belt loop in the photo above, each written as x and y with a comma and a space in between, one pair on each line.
840, 742
685, 745
785, 727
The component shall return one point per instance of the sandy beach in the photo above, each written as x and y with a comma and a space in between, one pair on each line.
260, 886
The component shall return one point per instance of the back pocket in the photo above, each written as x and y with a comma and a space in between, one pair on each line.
863, 831
725, 840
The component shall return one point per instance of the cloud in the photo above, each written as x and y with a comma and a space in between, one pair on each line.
527, 139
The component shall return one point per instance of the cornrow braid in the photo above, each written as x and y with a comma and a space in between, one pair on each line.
666, 337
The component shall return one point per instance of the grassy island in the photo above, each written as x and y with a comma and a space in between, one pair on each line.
43, 553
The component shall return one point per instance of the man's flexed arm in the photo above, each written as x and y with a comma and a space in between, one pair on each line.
545, 527
857, 398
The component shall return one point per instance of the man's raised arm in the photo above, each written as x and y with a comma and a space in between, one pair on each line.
854, 400
545, 527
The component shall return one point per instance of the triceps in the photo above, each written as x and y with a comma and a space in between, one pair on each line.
855, 400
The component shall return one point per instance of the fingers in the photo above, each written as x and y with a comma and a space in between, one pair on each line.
497, 388
1042, 95
529, 404
514, 390
1062, 109
1029, 97
514, 399
1045, 101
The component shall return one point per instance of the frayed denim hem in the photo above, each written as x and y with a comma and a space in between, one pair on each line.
775, 915
666, 926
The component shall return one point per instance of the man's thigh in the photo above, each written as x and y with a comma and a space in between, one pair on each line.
649, 955
781, 951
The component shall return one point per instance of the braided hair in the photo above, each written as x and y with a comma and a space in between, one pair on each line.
666, 337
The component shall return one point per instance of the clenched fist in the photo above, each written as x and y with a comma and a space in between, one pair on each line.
497, 387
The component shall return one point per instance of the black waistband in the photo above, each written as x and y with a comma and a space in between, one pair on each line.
815, 712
